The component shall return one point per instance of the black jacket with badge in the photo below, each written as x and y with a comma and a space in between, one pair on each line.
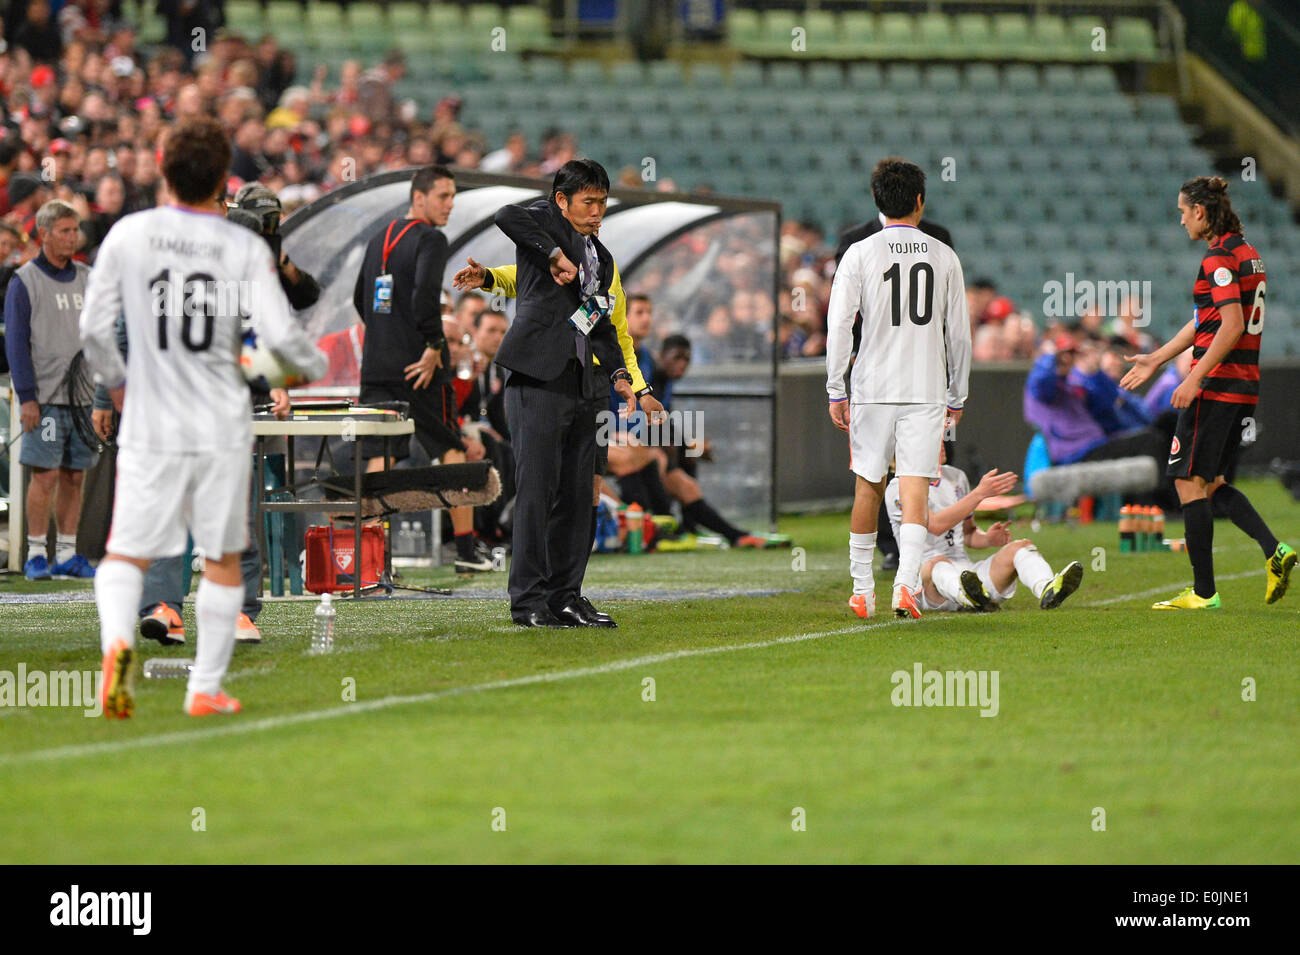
541, 339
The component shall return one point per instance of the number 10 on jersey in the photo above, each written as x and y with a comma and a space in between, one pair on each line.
920, 316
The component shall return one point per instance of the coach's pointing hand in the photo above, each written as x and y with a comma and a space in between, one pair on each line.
471, 277
840, 414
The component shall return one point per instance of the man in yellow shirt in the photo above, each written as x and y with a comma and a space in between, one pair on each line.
501, 279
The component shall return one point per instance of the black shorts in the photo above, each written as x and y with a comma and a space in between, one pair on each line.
433, 409
1207, 439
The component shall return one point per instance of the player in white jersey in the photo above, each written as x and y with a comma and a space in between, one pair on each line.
181, 275
913, 361
950, 579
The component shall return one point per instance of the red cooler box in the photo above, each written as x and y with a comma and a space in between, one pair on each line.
330, 563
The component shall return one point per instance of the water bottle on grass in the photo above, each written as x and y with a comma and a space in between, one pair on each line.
322, 634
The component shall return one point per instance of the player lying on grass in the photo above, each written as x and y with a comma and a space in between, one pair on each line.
950, 580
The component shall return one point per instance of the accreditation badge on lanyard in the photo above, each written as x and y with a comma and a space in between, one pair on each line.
589, 313
383, 300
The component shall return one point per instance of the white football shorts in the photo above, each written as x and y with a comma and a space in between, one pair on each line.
981, 569
161, 496
909, 434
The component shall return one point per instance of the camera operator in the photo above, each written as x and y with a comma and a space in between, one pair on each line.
258, 208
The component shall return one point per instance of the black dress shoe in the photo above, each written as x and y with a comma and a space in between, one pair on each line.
540, 618
572, 614
597, 618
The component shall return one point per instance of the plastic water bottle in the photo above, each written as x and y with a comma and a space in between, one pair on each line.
322, 635
162, 668
404, 540
635, 518
417, 540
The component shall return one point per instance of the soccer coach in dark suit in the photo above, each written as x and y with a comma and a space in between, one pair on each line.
552, 380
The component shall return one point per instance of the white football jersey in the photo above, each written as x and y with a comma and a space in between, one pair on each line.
916, 338
951, 487
183, 280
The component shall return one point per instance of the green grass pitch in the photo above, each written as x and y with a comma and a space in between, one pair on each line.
472, 741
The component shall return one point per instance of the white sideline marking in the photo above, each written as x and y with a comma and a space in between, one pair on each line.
292, 719
1164, 590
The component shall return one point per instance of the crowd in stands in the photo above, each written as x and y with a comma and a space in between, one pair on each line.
84, 107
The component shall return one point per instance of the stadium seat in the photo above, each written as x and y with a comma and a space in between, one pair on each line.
1135, 39
589, 72
747, 75
245, 14
903, 77
943, 78
1060, 79
1098, 80
327, 16
543, 70
936, 34
982, 77
778, 32
785, 76
898, 34
527, 28
627, 73
481, 19
707, 76
445, 18
1011, 35
666, 74
286, 17
973, 36
823, 33
401, 16
825, 76
1021, 78
744, 29
858, 33
1050, 36
1083, 36
866, 77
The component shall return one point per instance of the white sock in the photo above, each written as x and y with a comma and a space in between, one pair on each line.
861, 549
35, 546
947, 580
1034, 572
216, 607
911, 538
118, 586
65, 547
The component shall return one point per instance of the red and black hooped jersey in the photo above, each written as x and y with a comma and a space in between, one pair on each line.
1231, 272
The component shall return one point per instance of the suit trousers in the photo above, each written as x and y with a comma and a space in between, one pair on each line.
553, 434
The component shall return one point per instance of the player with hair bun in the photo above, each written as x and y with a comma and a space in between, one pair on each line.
1220, 393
